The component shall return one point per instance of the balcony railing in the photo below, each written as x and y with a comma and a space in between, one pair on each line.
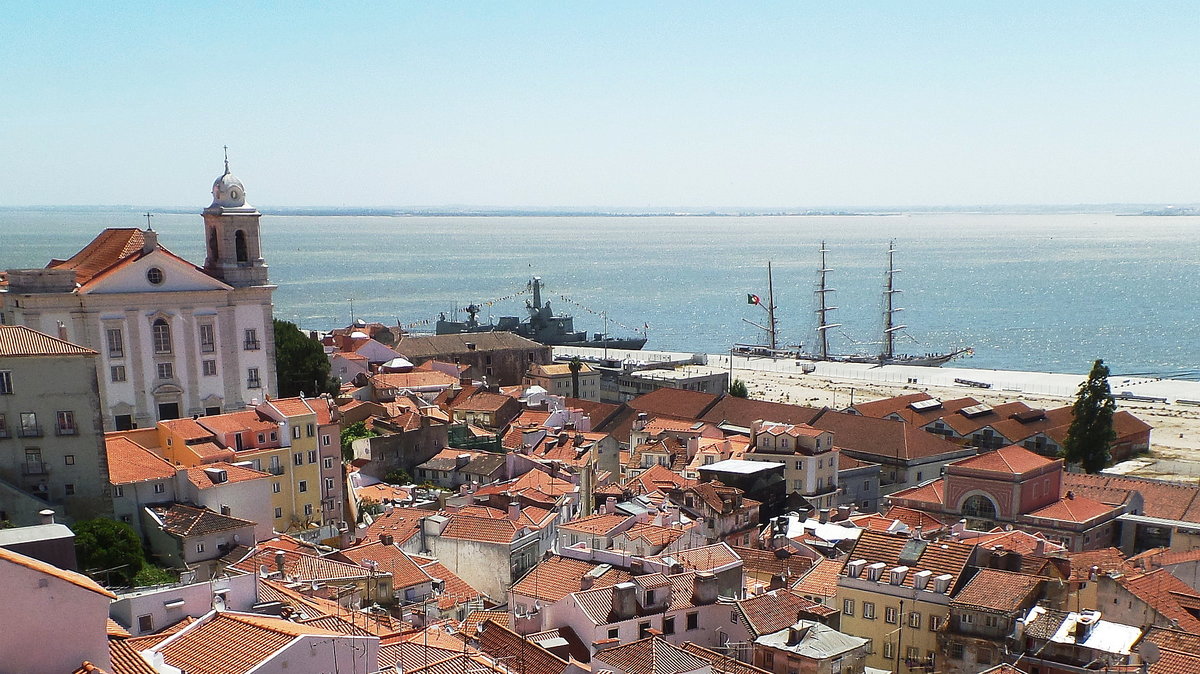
253, 383
28, 431
67, 430
33, 468
251, 345
276, 470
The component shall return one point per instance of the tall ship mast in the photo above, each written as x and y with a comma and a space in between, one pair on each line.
889, 309
823, 308
771, 348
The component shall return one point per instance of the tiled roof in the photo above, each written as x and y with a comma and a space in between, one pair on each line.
556, 577
232, 643
658, 477
1167, 500
674, 402
1108, 559
914, 518
654, 535
457, 591
882, 438
18, 340
886, 406
126, 660
773, 562
601, 523
187, 429
1166, 594
721, 663
410, 380
115, 629
995, 590
204, 480
245, 421
1021, 542
401, 523
652, 655
821, 580
470, 625
76, 579
745, 411
777, 610
1075, 509
932, 492
184, 520
109, 247
1011, 460
520, 656
390, 558
939, 557
444, 345
966, 425
301, 567
1179, 651
483, 401
129, 462
704, 558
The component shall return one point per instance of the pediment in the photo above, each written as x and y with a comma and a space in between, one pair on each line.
134, 276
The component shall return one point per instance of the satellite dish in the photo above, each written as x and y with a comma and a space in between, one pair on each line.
218, 603
1148, 650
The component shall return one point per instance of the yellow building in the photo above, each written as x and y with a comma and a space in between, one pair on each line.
896, 591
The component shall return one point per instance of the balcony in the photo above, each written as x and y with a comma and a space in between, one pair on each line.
251, 345
34, 468
30, 431
253, 383
66, 430
276, 470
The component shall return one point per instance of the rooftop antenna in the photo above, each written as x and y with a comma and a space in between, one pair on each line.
226, 159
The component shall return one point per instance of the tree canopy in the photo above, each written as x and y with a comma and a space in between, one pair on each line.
300, 363
355, 431
103, 544
737, 389
1091, 431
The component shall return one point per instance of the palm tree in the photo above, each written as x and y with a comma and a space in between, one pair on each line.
575, 366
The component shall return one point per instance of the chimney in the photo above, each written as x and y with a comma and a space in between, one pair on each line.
844, 512
464, 489
777, 582
796, 634
1039, 548
62, 331
705, 589
149, 240
610, 505
461, 460
280, 558
46, 516
514, 511
824, 515
563, 439
637, 567
386, 539
640, 422
624, 601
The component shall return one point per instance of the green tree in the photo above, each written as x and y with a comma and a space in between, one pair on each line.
575, 366
737, 389
355, 431
300, 363
103, 544
398, 477
1091, 431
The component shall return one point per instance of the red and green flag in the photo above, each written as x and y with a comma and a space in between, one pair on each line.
752, 299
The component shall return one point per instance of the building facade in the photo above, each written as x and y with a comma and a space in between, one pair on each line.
173, 339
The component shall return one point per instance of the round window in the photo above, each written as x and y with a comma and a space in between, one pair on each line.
154, 275
233, 194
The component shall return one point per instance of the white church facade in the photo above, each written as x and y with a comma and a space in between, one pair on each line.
174, 339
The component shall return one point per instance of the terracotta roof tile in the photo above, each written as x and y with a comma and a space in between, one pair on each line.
704, 558
18, 340
773, 562
457, 591
126, 660
653, 655
109, 247
721, 663
938, 557
556, 577
821, 580
205, 480
868, 437
745, 411
1076, 509
232, 643
1167, 500
1108, 559
300, 566
881, 408
995, 590
401, 523
129, 462
601, 523
520, 656
470, 625
1011, 460
405, 571
777, 610
184, 520
1166, 594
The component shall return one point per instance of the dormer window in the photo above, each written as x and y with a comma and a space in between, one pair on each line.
783, 443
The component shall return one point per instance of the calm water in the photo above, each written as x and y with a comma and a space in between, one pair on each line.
1028, 292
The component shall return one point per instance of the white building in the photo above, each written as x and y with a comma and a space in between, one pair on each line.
174, 339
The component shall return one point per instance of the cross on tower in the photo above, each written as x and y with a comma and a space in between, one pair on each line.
226, 159
148, 216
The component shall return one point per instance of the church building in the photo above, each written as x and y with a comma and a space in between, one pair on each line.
174, 339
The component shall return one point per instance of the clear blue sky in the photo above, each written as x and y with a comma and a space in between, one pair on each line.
572, 104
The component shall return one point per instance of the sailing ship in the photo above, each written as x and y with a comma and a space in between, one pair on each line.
886, 356
542, 325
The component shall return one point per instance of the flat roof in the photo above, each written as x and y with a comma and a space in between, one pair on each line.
741, 466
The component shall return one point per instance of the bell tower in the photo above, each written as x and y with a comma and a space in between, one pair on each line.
231, 234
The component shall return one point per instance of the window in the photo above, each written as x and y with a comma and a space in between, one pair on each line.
797, 485
278, 513
965, 619
308, 509
166, 370
145, 623
325, 440
956, 651
889, 650
820, 463
303, 486
935, 623
768, 660
693, 620
162, 336
914, 620
329, 488
276, 488
994, 621
643, 629
118, 491
869, 610
912, 653
154, 275
870, 645
312, 456
210, 368
159, 487
310, 430
70, 459
296, 433
848, 606
6, 382
669, 625
3, 427
799, 464
733, 617
116, 373
890, 615
614, 633
252, 380
126, 519
199, 547
70, 489
65, 420
116, 345
123, 422
208, 341
29, 425
298, 459
328, 463
866, 485
251, 343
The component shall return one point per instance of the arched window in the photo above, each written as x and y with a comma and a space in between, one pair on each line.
239, 242
213, 251
980, 507
162, 336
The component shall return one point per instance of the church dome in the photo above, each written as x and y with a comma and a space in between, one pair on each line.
228, 191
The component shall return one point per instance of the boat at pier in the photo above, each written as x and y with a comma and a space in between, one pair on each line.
542, 325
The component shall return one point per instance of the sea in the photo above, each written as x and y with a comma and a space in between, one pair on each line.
1033, 292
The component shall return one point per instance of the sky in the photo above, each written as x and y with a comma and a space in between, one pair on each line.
640, 105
